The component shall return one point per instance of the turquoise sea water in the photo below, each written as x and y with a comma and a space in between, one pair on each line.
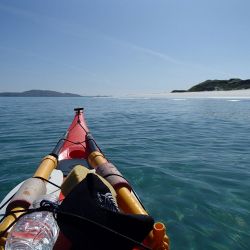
189, 160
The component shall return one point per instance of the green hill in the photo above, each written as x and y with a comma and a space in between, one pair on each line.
218, 85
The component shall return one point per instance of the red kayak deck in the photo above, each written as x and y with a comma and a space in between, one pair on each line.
75, 146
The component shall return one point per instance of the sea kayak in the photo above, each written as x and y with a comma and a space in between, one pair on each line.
94, 206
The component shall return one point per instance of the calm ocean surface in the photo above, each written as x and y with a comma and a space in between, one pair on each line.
189, 160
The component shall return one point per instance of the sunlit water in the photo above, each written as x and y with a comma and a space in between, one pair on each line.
188, 159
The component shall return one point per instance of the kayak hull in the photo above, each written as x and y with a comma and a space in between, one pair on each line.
76, 150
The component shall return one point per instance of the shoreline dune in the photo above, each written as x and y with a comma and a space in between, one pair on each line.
235, 94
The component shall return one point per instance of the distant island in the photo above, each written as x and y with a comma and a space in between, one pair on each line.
38, 93
218, 85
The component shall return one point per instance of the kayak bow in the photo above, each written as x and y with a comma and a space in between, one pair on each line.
61, 169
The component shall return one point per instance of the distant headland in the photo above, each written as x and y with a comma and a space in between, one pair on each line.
38, 93
218, 85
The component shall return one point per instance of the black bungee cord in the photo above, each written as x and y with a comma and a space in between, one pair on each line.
54, 208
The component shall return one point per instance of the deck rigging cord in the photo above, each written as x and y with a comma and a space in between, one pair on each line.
54, 208
6, 202
76, 143
92, 139
3, 205
50, 182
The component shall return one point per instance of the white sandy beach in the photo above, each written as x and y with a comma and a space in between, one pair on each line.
233, 94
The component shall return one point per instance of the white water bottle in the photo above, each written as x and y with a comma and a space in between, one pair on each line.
34, 231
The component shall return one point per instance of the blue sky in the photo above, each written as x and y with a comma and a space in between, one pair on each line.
121, 46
